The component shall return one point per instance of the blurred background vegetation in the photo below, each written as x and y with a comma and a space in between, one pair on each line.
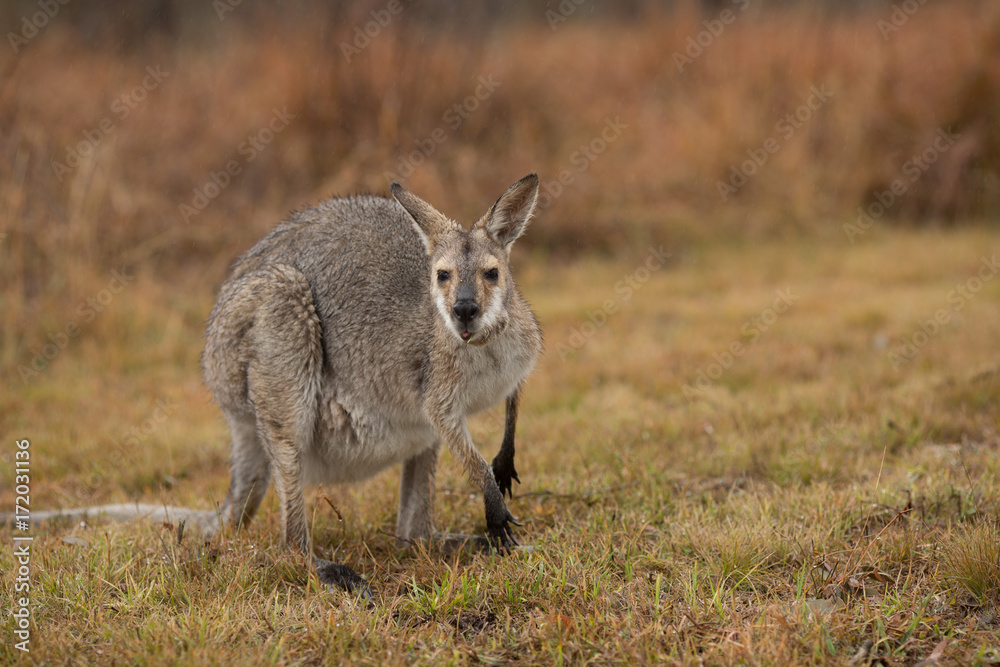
844, 152
167, 136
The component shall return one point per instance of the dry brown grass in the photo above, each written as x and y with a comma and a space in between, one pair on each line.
813, 494
809, 499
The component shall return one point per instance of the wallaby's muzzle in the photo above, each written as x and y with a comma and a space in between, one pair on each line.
465, 310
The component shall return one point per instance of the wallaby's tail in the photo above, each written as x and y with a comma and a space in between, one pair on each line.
206, 521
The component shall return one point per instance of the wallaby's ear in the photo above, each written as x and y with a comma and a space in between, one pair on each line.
509, 216
427, 220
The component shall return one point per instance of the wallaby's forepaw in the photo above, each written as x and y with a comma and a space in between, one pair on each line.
334, 576
502, 536
504, 472
498, 522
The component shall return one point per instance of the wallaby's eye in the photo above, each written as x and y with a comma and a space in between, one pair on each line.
492, 275
443, 276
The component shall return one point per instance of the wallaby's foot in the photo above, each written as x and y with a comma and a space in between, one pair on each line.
504, 472
498, 521
335, 575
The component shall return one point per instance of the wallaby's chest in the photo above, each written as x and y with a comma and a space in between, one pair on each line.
491, 373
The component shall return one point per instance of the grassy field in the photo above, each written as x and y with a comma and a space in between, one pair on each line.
762, 452
765, 430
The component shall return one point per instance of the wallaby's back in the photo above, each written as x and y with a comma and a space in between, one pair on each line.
368, 272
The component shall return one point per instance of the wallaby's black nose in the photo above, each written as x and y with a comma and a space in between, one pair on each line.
465, 310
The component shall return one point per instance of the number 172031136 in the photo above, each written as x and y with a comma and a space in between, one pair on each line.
22, 479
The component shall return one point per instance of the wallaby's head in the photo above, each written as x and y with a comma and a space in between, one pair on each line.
471, 283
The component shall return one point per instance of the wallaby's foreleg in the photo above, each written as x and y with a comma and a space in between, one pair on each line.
416, 497
250, 472
503, 462
498, 518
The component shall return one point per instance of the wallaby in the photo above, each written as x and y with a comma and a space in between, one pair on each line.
359, 334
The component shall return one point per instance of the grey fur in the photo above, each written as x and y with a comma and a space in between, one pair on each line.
335, 350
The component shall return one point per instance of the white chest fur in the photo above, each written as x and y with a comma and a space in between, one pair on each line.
489, 374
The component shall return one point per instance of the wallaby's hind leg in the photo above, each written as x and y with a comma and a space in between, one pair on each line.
416, 497
278, 434
416, 508
250, 472
283, 378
